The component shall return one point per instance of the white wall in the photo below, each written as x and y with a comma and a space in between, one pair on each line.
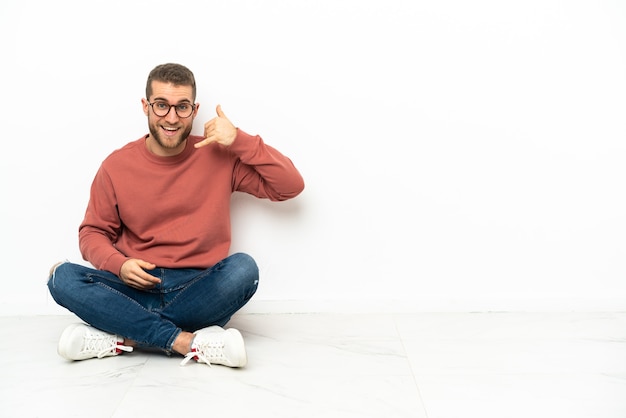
458, 155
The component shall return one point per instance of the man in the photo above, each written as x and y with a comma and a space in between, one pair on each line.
157, 231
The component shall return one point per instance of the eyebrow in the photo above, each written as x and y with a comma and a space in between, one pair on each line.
162, 99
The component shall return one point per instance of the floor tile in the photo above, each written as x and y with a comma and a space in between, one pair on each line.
423, 365
524, 395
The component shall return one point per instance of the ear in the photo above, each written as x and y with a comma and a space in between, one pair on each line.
195, 112
145, 104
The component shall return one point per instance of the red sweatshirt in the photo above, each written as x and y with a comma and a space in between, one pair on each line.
175, 211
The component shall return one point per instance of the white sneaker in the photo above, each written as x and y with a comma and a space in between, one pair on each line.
81, 342
214, 345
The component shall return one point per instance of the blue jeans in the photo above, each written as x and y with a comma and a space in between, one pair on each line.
185, 300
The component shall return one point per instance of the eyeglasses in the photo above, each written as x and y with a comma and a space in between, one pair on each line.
161, 109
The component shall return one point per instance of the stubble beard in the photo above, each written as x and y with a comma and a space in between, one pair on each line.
156, 134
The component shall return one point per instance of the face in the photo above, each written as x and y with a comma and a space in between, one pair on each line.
168, 134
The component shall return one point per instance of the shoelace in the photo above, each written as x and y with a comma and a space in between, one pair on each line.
206, 351
103, 345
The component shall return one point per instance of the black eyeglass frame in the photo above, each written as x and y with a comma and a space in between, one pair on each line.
193, 108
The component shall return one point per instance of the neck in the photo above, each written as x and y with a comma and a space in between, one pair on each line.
155, 148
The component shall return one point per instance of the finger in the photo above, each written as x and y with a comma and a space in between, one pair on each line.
146, 265
143, 276
219, 111
150, 279
147, 284
142, 283
209, 128
204, 142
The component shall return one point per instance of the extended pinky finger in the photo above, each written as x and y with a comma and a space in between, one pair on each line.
202, 143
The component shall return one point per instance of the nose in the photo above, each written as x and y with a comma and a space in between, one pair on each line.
172, 116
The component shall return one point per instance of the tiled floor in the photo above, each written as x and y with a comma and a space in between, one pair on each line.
321, 365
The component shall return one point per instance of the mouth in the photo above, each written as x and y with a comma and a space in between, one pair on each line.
168, 131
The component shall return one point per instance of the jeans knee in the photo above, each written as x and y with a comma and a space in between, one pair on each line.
56, 282
246, 264
54, 268
52, 276
63, 279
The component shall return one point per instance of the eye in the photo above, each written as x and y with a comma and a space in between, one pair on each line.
161, 105
182, 107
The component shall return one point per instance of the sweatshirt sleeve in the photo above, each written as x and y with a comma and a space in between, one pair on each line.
263, 171
101, 226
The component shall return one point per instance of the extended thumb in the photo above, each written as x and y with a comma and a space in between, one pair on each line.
219, 111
